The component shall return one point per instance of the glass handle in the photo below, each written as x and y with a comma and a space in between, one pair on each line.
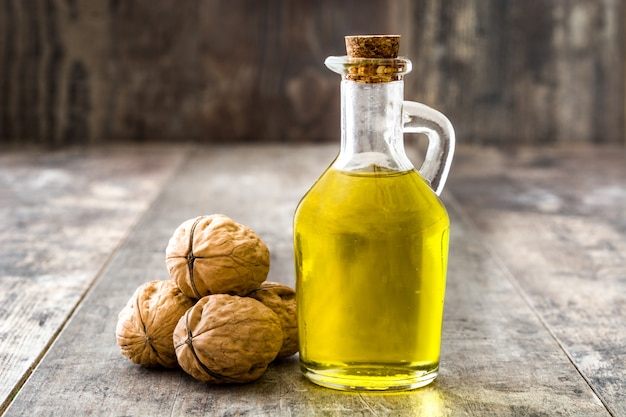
419, 118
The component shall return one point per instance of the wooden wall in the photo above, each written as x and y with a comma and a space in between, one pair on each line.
525, 71
504, 71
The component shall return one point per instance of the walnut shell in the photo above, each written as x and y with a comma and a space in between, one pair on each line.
281, 299
214, 255
146, 324
226, 339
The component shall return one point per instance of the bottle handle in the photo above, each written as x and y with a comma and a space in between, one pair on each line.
419, 118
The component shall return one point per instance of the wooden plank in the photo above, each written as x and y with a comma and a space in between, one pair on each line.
62, 214
89, 72
528, 71
498, 358
557, 219
521, 71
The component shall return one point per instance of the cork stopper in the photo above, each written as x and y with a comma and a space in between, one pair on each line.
373, 46
374, 59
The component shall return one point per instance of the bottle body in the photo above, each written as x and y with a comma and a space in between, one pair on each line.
371, 251
371, 239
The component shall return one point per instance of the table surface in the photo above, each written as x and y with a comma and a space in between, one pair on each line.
535, 314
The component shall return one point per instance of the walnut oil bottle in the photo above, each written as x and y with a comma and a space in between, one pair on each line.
371, 235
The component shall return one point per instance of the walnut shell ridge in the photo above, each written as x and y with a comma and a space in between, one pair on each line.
227, 339
146, 324
281, 299
215, 255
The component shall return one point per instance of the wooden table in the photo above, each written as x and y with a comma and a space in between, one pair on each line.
536, 296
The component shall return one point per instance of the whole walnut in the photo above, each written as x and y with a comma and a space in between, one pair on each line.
214, 255
282, 300
227, 339
146, 324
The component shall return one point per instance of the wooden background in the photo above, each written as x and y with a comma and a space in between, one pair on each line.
97, 71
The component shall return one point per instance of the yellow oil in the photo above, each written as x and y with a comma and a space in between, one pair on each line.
371, 254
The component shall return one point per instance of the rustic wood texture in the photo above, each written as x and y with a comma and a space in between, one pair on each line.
524, 71
518, 71
556, 217
62, 215
83, 71
507, 329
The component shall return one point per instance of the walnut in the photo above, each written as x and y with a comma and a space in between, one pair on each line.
282, 300
214, 255
226, 339
146, 324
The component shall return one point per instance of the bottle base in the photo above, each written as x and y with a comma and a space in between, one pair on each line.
381, 378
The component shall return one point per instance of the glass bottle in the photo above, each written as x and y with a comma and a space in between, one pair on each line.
371, 236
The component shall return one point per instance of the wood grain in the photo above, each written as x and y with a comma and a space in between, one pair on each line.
62, 214
521, 71
88, 72
499, 358
557, 219
525, 71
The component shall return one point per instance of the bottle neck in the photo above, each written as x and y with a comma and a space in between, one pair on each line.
371, 127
